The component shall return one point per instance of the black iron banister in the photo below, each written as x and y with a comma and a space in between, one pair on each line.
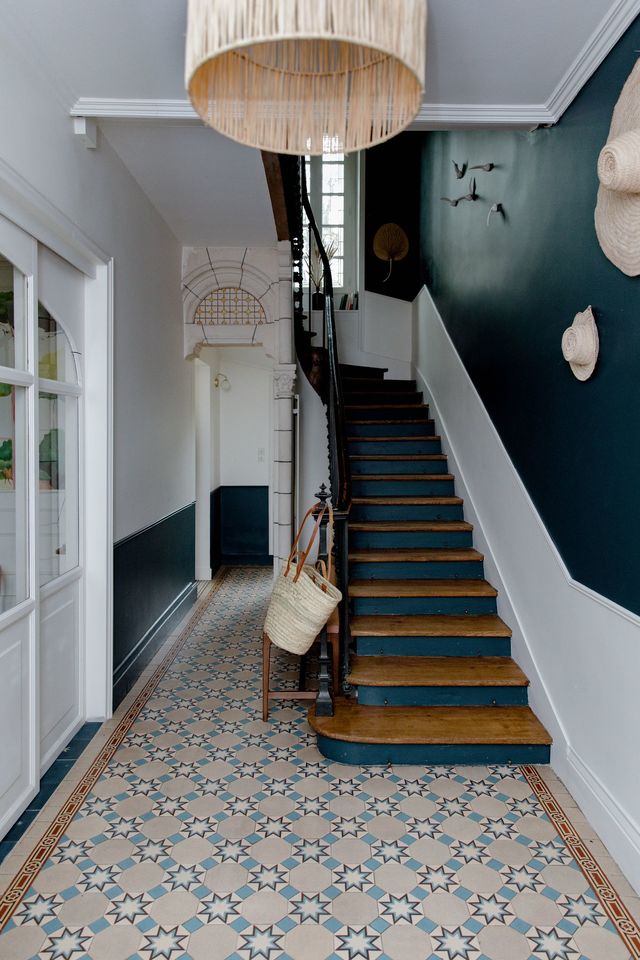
339, 464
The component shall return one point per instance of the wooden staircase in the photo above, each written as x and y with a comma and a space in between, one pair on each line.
432, 670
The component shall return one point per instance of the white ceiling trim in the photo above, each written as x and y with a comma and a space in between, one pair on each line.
432, 116
104, 108
446, 116
603, 40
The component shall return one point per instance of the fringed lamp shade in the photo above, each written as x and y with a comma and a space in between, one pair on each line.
306, 76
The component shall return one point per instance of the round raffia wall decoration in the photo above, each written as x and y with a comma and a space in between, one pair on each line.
618, 210
306, 76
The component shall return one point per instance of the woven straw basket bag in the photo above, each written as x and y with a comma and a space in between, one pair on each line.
303, 597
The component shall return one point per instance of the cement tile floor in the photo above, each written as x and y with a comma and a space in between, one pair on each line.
191, 829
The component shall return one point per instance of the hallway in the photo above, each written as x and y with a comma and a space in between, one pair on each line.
191, 829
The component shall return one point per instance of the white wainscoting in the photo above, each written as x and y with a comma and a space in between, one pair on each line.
580, 650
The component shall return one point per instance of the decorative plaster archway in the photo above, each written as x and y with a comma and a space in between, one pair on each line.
264, 275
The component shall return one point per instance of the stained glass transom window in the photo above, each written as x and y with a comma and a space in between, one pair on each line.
230, 305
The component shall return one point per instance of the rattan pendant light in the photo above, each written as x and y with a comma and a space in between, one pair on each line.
306, 76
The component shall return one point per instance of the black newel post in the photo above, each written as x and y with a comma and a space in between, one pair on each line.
324, 703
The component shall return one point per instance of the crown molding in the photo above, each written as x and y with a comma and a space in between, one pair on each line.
601, 42
106, 108
431, 116
446, 116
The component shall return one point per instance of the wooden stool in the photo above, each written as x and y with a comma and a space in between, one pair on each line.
333, 638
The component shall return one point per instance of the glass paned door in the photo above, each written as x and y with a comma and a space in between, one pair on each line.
41, 551
19, 747
14, 571
58, 485
60, 570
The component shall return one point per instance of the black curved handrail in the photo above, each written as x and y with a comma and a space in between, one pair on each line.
339, 464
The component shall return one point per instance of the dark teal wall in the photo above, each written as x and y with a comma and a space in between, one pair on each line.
506, 294
392, 172
240, 526
153, 584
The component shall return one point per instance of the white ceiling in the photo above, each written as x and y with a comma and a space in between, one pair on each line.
210, 190
506, 61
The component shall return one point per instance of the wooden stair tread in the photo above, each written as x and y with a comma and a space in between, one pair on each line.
416, 555
428, 437
421, 588
429, 625
408, 501
406, 476
430, 725
373, 457
410, 526
436, 672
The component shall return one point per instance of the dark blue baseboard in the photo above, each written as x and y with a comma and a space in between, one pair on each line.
153, 587
240, 527
51, 779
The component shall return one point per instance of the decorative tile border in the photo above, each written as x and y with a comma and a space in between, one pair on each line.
610, 900
11, 897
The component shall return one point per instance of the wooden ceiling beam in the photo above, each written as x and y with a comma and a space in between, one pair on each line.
273, 173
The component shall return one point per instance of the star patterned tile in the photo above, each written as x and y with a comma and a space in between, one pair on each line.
209, 834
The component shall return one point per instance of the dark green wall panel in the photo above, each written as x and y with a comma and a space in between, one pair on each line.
507, 292
240, 526
153, 582
392, 172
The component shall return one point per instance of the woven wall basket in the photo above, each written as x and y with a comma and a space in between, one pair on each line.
306, 76
617, 216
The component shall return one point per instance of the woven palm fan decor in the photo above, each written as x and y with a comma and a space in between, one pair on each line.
390, 243
306, 76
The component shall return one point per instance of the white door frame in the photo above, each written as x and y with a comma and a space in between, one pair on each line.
32, 212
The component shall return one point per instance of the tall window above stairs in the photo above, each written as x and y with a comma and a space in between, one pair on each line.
332, 181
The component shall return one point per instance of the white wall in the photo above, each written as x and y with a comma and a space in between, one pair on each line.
241, 419
579, 649
242, 409
376, 335
313, 451
153, 394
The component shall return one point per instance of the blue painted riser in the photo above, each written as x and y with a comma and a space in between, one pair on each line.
359, 540
442, 696
420, 429
436, 754
434, 646
398, 511
395, 412
362, 487
416, 605
462, 570
363, 467
395, 447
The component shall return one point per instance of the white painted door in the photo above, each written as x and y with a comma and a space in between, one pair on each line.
60, 561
